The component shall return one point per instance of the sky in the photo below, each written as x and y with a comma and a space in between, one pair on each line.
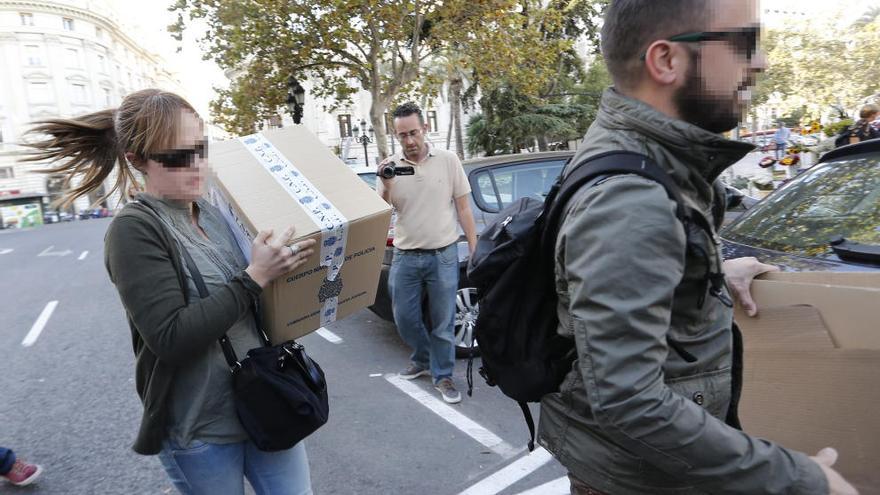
198, 76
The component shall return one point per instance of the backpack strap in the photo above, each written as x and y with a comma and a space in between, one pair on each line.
597, 167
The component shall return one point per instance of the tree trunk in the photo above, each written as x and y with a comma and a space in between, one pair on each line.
377, 119
455, 85
449, 129
542, 143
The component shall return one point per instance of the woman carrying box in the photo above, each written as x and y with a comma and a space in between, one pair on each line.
182, 377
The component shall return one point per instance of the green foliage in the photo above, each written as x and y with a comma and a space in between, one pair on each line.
834, 129
819, 66
379, 45
560, 103
512, 121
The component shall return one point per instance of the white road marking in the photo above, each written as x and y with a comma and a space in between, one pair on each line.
330, 336
512, 473
466, 425
83, 255
6, 251
559, 486
32, 336
48, 252
375, 375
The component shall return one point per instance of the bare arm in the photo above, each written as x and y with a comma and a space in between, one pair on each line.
466, 219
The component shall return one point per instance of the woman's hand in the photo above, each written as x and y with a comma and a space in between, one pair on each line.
272, 258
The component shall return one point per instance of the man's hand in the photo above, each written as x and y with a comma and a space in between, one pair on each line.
381, 165
837, 485
739, 273
384, 185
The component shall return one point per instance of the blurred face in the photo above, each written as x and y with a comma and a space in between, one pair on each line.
411, 134
179, 172
723, 67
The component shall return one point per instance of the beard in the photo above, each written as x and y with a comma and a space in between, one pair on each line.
697, 105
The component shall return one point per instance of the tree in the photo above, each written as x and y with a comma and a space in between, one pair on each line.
379, 46
820, 66
561, 100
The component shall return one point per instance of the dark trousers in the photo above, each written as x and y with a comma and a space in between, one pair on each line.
7, 459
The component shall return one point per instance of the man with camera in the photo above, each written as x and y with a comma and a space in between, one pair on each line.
429, 190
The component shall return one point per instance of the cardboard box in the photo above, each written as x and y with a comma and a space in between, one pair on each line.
812, 364
287, 177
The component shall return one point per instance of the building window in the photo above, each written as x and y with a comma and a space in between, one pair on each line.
38, 92
32, 53
72, 58
99, 33
6, 173
27, 19
107, 97
432, 121
102, 64
78, 93
344, 125
67, 23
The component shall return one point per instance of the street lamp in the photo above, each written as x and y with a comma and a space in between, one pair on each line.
364, 139
296, 98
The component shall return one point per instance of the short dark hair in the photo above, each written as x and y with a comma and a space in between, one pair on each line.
407, 109
632, 25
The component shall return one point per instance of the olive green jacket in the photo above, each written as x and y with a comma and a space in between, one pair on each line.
145, 263
643, 409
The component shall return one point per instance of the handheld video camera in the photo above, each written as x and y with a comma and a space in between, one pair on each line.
391, 170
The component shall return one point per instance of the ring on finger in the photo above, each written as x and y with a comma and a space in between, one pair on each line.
294, 249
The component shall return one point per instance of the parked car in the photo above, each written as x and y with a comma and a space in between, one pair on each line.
51, 217
827, 218
495, 183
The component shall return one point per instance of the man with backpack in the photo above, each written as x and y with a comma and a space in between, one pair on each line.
649, 403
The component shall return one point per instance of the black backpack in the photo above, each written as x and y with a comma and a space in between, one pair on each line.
513, 271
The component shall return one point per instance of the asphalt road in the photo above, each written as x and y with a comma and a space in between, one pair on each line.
67, 398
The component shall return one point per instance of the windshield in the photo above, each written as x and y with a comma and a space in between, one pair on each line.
840, 198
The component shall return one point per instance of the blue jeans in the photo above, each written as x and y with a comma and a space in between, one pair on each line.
219, 469
780, 150
412, 273
7, 459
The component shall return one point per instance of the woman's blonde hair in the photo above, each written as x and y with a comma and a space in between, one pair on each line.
91, 145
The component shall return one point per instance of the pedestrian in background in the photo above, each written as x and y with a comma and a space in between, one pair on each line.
865, 128
780, 138
429, 203
16, 471
182, 377
649, 406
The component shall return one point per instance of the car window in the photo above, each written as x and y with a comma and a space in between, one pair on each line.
369, 178
840, 198
499, 186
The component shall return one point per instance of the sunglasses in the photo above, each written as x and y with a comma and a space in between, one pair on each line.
744, 41
181, 158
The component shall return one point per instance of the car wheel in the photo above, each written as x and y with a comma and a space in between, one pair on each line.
467, 308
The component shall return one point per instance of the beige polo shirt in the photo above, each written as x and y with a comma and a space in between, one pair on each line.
425, 202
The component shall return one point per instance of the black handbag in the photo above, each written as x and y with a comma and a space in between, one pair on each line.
280, 393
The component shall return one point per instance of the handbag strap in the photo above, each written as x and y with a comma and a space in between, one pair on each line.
228, 351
